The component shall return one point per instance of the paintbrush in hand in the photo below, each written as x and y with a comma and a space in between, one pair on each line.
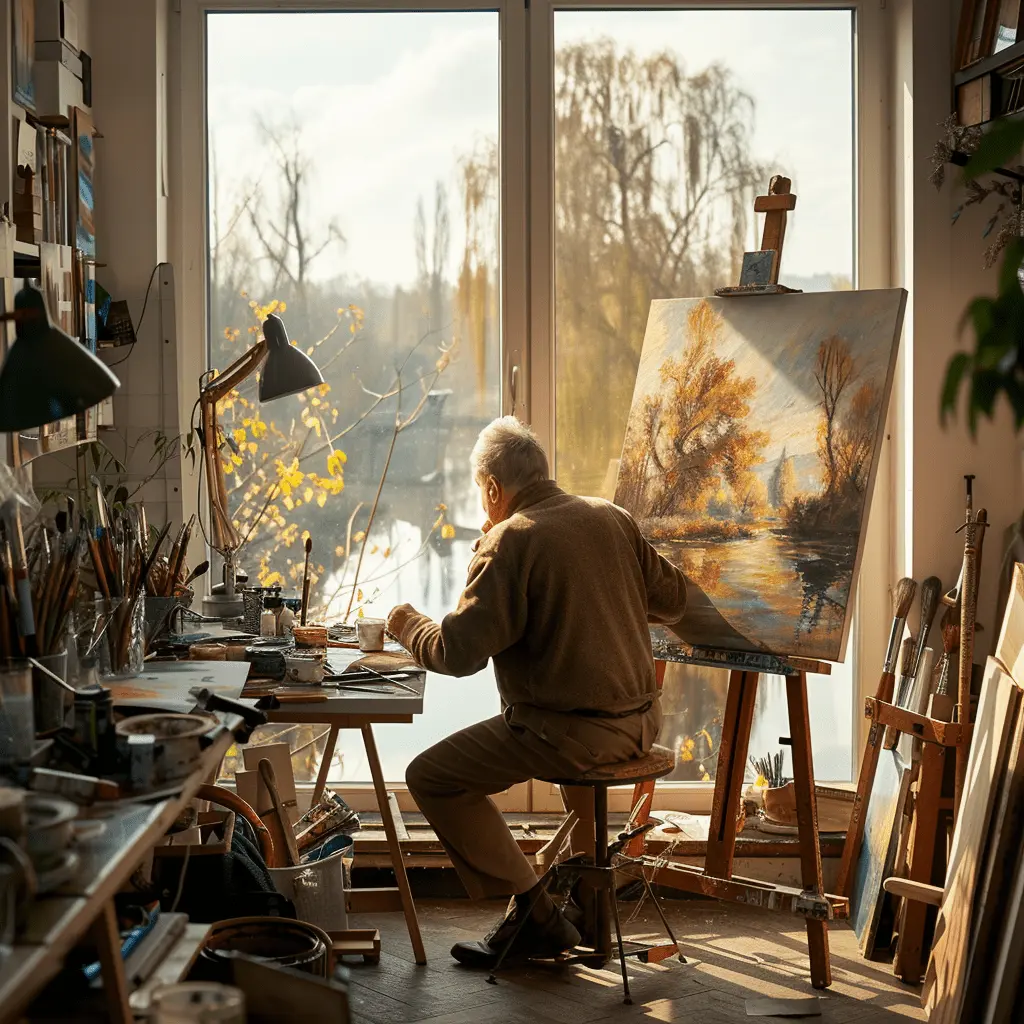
305, 584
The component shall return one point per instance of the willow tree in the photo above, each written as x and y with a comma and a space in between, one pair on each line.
653, 184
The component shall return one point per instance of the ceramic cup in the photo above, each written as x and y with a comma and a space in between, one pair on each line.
370, 633
303, 668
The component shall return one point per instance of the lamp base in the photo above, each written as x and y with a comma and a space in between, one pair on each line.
223, 606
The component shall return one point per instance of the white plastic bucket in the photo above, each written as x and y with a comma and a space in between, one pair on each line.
318, 891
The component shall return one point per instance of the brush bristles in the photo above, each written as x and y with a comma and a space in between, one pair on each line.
950, 636
907, 655
309, 545
903, 597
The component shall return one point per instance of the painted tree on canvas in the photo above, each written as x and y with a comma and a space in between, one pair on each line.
692, 448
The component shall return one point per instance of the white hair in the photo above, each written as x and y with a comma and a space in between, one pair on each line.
509, 451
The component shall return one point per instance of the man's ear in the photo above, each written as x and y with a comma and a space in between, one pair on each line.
494, 490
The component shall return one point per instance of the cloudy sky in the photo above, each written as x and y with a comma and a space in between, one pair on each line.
388, 102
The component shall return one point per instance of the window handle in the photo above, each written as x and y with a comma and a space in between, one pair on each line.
513, 386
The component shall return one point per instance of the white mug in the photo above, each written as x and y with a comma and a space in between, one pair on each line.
370, 633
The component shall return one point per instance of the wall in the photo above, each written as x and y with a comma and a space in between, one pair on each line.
129, 49
941, 264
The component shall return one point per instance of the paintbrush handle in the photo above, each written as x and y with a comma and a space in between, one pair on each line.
305, 602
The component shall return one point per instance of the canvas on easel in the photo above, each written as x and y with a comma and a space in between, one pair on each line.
750, 456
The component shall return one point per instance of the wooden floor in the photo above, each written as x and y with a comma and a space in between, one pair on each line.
735, 953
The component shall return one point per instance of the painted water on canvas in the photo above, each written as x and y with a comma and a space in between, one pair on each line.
750, 455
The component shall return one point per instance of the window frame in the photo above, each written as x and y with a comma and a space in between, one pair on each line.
527, 258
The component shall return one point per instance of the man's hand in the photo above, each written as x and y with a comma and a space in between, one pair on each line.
397, 618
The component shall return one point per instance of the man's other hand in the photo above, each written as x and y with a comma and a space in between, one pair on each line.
397, 618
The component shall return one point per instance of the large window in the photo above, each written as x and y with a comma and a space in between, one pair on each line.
667, 124
462, 212
353, 189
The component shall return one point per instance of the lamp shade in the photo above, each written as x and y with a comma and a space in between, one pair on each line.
288, 370
47, 375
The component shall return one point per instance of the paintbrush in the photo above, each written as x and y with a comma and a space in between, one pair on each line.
892, 734
943, 701
305, 583
198, 571
902, 599
931, 594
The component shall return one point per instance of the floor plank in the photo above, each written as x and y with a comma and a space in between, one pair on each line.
734, 953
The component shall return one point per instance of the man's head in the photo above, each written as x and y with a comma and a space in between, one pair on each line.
506, 458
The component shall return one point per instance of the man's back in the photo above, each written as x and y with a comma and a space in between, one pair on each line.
559, 594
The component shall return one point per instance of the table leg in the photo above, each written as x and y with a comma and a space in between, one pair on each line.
395, 848
807, 824
107, 938
325, 765
732, 764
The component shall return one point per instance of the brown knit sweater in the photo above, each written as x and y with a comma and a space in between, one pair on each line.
560, 595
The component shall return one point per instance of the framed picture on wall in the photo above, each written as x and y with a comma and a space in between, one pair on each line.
1007, 22
23, 45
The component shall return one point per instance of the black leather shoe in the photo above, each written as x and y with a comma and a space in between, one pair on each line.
534, 940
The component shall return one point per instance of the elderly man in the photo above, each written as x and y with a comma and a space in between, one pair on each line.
559, 594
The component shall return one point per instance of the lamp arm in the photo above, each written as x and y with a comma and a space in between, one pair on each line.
245, 365
223, 535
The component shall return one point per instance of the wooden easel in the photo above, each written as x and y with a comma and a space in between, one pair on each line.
759, 276
716, 878
939, 740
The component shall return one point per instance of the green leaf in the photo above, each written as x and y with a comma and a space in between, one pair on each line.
954, 377
998, 146
1014, 255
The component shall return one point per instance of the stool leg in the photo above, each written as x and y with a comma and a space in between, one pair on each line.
626, 997
606, 894
661, 914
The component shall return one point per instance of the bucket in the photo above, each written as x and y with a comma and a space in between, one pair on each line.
317, 889
277, 940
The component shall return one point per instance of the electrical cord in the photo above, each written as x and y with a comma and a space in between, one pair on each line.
138, 326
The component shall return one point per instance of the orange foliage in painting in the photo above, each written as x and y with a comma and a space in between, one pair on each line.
689, 441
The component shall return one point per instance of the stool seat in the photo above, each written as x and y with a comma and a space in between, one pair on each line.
658, 762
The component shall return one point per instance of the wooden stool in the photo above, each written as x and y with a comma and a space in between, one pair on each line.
601, 871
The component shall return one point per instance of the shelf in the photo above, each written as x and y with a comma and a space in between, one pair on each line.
987, 65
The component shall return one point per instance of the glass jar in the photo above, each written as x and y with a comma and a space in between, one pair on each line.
17, 721
121, 647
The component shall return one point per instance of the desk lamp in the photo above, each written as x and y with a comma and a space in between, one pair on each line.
46, 376
286, 371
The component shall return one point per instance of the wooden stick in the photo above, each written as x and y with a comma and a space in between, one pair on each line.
305, 584
276, 819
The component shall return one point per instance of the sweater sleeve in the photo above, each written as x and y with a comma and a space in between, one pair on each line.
665, 584
491, 616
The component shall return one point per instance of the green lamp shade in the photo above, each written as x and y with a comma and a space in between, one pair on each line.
47, 375
288, 370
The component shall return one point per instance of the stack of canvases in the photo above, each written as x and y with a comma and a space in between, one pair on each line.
977, 958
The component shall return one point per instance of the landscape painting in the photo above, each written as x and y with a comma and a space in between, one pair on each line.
750, 455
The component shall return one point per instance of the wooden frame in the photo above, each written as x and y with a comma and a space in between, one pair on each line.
976, 32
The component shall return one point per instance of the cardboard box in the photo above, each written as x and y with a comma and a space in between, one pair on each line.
58, 50
56, 21
58, 91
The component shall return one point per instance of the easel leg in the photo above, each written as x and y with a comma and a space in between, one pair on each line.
325, 765
911, 956
807, 823
394, 847
107, 938
866, 779
732, 760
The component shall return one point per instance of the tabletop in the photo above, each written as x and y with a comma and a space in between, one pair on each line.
59, 920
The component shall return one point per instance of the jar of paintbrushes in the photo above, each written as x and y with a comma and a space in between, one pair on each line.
121, 649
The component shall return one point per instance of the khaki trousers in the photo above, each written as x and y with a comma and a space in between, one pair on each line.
452, 783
